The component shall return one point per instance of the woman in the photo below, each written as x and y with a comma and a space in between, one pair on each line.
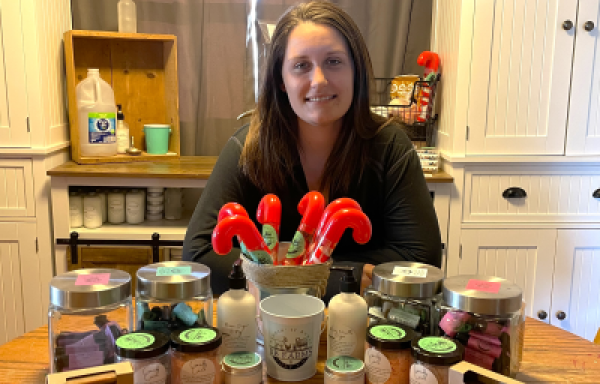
313, 130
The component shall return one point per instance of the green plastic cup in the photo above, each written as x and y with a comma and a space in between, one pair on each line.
157, 138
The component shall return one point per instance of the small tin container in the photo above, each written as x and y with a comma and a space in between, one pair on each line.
195, 356
148, 353
485, 313
433, 356
242, 368
173, 295
404, 293
344, 369
388, 356
89, 310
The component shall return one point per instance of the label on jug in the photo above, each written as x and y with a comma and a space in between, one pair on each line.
102, 128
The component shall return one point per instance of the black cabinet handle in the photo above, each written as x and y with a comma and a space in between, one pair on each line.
542, 315
514, 193
560, 315
588, 26
567, 25
596, 194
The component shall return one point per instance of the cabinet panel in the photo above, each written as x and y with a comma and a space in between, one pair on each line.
583, 132
577, 282
520, 77
525, 257
16, 188
13, 94
561, 194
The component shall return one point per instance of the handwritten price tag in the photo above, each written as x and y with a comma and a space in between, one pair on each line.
484, 286
173, 271
414, 272
93, 279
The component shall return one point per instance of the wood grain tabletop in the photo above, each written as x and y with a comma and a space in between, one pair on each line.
550, 355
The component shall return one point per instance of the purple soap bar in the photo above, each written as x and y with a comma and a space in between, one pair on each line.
85, 360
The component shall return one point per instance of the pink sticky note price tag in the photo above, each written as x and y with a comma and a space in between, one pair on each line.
93, 279
484, 286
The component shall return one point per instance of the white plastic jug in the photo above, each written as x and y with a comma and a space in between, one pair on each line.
97, 116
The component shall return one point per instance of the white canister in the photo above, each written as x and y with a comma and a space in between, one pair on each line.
155, 190
155, 198
292, 327
154, 216
75, 210
173, 203
241, 368
92, 210
102, 195
116, 206
134, 206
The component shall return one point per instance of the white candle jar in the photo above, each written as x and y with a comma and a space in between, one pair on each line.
92, 210
75, 210
134, 206
116, 206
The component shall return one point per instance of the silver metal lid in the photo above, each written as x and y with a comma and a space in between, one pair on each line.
242, 363
90, 288
484, 295
173, 280
407, 279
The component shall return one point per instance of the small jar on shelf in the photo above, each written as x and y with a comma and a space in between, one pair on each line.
75, 209
92, 210
116, 206
134, 206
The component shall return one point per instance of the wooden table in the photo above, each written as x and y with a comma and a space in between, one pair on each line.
550, 355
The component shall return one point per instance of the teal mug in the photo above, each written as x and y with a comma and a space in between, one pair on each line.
157, 138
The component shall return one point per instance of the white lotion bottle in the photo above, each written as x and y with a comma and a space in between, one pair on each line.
347, 322
236, 315
122, 131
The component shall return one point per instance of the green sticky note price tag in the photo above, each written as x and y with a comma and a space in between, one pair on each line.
173, 271
135, 340
388, 332
198, 335
439, 345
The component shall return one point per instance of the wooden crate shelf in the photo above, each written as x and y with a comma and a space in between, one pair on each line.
142, 70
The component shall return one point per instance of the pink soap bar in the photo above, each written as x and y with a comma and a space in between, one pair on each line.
93, 279
484, 286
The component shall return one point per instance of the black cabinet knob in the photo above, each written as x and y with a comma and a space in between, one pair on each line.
542, 315
560, 315
567, 25
588, 26
514, 193
596, 194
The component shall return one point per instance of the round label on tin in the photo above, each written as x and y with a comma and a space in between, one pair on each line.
344, 364
438, 345
388, 332
242, 359
198, 335
135, 340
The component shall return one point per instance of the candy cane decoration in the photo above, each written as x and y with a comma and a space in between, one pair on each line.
246, 231
269, 215
311, 208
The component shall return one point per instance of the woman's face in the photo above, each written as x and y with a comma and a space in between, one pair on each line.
318, 75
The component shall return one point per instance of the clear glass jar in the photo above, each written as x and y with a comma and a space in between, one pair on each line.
242, 368
89, 309
432, 358
148, 353
195, 356
344, 370
404, 293
485, 314
388, 356
173, 295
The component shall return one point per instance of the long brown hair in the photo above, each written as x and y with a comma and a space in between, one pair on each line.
270, 152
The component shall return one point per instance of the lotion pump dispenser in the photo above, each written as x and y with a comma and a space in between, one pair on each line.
347, 322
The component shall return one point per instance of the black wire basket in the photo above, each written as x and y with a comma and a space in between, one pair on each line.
418, 115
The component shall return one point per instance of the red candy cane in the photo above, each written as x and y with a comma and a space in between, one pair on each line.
231, 209
311, 208
335, 227
246, 231
269, 215
333, 207
429, 60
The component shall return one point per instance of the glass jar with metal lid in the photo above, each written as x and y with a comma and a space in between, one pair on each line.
404, 292
432, 358
173, 295
148, 353
195, 356
344, 369
485, 314
388, 356
89, 309
242, 368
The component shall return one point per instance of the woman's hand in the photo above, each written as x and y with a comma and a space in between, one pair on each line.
367, 276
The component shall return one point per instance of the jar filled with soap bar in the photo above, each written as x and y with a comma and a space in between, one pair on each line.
486, 315
432, 358
195, 356
148, 353
404, 292
172, 296
388, 356
89, 310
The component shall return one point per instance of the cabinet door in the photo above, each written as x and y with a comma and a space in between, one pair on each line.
14, 130
16, 188
583, 132
520, 76
576, 292
525, 257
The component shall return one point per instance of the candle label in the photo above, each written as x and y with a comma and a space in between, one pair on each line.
290, 347
438, 345
236, 336
387, 332
379, 369
173, 271
484, 286
154, 373
410, 272
269, 235
135, 340
198, 335
344, 364
342, 341
419, 374
200, 371
93, 279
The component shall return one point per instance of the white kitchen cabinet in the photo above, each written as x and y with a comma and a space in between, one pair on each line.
576, 293
16, 188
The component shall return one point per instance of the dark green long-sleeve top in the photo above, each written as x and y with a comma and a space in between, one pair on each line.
392, 193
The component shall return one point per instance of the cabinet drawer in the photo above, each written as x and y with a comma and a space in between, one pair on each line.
539, 194
16, 188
